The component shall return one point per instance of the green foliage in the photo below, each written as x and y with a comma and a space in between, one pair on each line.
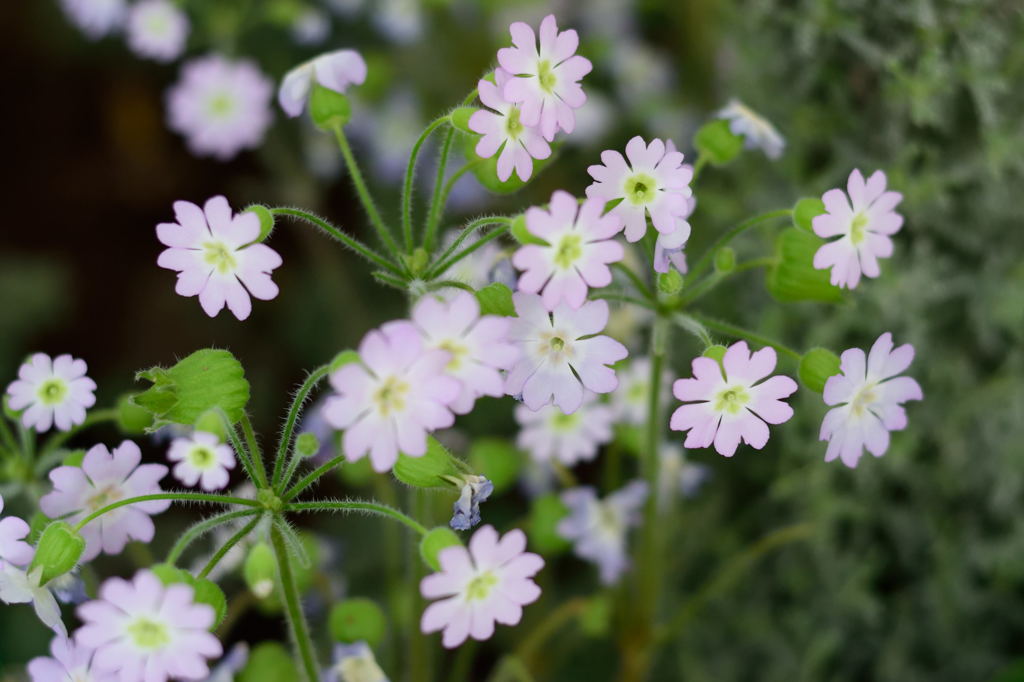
496, 299
357, 619
206, 380
429, 470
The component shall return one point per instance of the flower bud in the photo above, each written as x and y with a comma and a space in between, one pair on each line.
717, 143
816, 366
670, 282
132, 420
725, 259
355, 620
307, 445
59, 549
715, 352
459, 119
433, 542
260, 570
328, 109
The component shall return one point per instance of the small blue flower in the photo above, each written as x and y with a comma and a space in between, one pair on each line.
466, 510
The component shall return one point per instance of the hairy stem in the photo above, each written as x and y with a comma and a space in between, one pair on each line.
254, 451
293, 607
312, 477
201, 528
359, 506
741, 333
285, 443
350, 242
222, 551
184, 497
439, 197
708, 256
407, 185
452, 260
364, 194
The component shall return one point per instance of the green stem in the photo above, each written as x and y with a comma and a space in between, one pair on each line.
293, 607
440, 269
350, 242
651, 464
703, 287
741, 333
364, 194
240, 450
201, 528
187, 497
706, 259
285, 443
311, 478
440, 197
385, 278
407, 185
222, 551
451, 284
443, 201
698, 166
8, 435
622, 298
254, 451
640, 285
464, 234
356, 506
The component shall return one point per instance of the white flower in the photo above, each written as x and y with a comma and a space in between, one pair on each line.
221, 106
550, 434
502, 129
145, 630
201, 459
598, 527
355, 663
71, 662
52, 392
157, 29
631, 399
756, 131
333, 70
13, 532
96, 18
20, 587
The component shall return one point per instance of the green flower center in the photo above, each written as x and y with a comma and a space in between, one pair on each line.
608, 520
52, 391
220, 105
202, 457
480, 586
103, 497
568, 251
858, 231
513, 126
148, 634
863, 400
457, 350
557, 344
546, 76
641, 188
390, 396
731, 400
220, 256
564, 422
637, 392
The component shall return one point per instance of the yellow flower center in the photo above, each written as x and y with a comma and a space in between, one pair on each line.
148, 634
863, 399
513, 126
201, 457
103, 497
220, 105
858, 231
546, 76
52, 391
390, 396
568, 251
457, 350
220, 256
480, 586
640, 188
731, 400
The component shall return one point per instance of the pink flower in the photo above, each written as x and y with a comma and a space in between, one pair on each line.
13, 532
550, 434
504, 131
478, 346
578, 251
546, 86
104, 478
52, 392
863, 225
144, 630
562, 353
654, 183
390, 400
598, 528
488, 583
870, 400
157, 29
201, 459
220, 105
70, 662
215, 257
724, 404
333, 70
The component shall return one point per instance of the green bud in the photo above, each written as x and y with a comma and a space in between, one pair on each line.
212, 422
670, 282
715, 352
715, 142
459, 119
206, 380
498, 460
496, 299
269, 499
307, 445
428, 471
725, 259
269, 662
59, 549
816, 366
793, 277
328, 109
260, 570
132, 420
418, 261
355, 620
343, 358
434, 541
521, 234
266, 220
545, 514
805, 211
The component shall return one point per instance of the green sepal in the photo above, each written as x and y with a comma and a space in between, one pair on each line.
521, 234
260, 570
459, 118
816, 366
434, 541
793, 276
486, 170
328, 109
357, 619
430, 470
496, 299
266, 220
716, 352
132, 419
343, 358
208, 379
307, 445
670, 283
715, 142
805, 211
59, 549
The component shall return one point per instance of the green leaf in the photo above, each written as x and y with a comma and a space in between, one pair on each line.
793, 276
460, 118
357, 619
328, 109
428, 471
434, 541
208, 379
804, 212
496, 299
260, 570
717, 143
545, 514
269, 662
496, 459
816, 366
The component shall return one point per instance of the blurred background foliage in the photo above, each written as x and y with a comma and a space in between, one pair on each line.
915, 569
